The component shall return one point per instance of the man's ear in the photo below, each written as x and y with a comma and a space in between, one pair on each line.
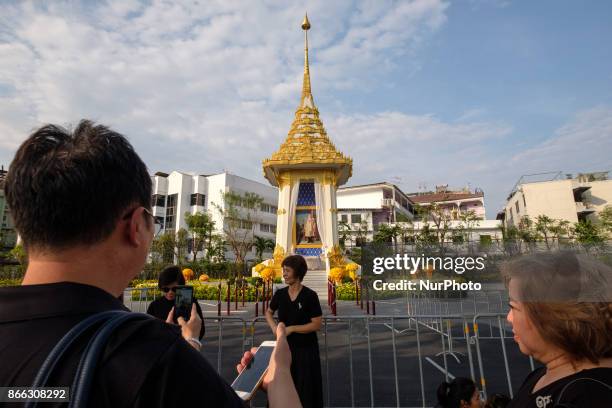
136, 228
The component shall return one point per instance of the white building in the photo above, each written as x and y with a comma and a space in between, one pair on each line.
369, 205
454, 203
363, 208
178, 193
558, 196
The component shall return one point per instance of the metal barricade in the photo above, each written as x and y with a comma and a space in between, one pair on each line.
522, 365
386, 360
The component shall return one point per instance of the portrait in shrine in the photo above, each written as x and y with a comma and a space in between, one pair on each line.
306, 231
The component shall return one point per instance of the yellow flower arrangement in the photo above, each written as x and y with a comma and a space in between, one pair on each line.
203, 277
352, 267
267, 273
188, 274
259, 267
336, 274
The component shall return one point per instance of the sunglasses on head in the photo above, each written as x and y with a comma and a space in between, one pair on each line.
166, 289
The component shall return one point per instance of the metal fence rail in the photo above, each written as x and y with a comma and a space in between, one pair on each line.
387, 360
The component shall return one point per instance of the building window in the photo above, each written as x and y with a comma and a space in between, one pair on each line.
355, 218
267, 228
344, 218
158, 200
269, 208
524, 203
198, 199
239, 223
517, 207
171, 212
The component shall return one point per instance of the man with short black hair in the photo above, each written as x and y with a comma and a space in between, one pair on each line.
81, 204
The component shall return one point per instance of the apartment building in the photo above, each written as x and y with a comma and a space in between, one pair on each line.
558, 196
177, 193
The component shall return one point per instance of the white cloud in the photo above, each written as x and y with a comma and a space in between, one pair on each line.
583, 144
424, 149
205, 86
219, 77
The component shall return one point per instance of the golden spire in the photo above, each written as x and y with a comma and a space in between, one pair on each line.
307, 144
306, 91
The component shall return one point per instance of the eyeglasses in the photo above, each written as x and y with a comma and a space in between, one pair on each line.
156, 220
166, 289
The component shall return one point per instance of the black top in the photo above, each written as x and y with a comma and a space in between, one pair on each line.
300, 311
587, 388
145, 364
161, 306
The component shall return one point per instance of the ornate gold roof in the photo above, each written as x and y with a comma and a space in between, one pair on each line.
307, 144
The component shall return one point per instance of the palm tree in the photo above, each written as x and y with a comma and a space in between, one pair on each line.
261, 244
344, 232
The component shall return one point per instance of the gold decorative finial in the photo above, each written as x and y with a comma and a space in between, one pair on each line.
306, 23
306, 92
307, 143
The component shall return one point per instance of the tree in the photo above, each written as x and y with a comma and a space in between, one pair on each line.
262, 244
181, 245
387, 233
216, 251
469, 220
361, 233
543, 225
526, 231
510, 239
426, 238
170, 246
605, 218
344, 233
560, 229
239, 213
405, 231
162, 248
201, 226
439, 218
588, 234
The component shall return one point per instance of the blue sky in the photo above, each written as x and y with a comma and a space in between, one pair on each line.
420, 92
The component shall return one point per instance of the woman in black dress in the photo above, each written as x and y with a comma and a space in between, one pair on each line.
299, 309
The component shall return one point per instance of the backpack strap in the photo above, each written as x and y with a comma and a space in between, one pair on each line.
83, 379
109, 320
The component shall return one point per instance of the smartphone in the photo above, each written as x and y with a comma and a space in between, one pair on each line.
182, 302
251, 377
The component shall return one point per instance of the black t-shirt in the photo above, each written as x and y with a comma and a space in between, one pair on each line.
161, 306
300, 311
145, 364
590, 388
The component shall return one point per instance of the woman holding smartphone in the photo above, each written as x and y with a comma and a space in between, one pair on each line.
299, 309
169, 279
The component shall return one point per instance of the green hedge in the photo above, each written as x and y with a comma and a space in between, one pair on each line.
201, 291
346, 291
10, 282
